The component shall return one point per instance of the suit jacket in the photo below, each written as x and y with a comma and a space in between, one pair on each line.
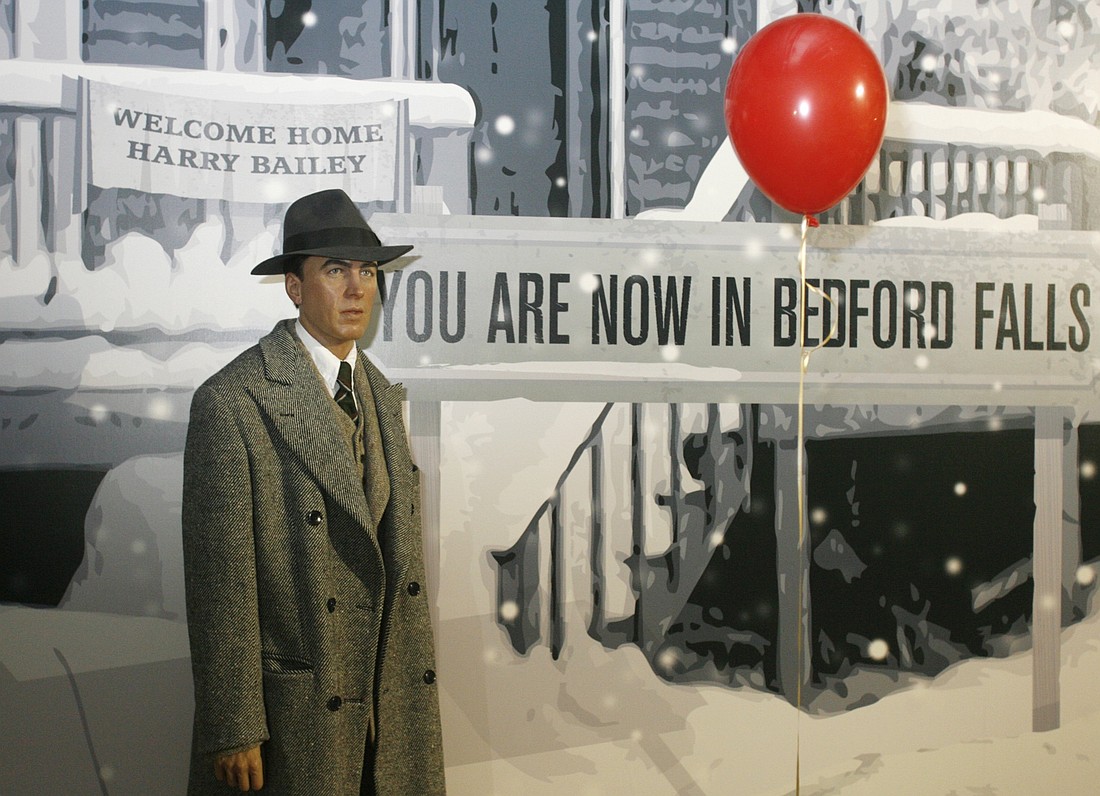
304, 616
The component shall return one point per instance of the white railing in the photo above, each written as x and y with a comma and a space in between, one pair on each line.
646, 538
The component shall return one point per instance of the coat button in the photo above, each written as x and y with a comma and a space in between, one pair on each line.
331, 604
335, 703
429, 677
414, 588
314, 518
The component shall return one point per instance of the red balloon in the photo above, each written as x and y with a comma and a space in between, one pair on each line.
806, 110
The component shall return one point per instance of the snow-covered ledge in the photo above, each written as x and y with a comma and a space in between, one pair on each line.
49, 84
1039, 131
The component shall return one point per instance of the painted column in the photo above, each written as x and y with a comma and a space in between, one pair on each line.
234, 42
792, 562
1071, 509
48, 30
616, 104
402, 41
27, 137
65, 221
1046, 619
7, 33
234, 35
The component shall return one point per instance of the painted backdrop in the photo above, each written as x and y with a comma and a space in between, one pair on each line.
636, 588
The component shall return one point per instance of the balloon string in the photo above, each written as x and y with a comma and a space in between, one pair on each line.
807, 221
804, 363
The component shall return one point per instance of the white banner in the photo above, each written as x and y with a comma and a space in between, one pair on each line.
589, 309
241, 151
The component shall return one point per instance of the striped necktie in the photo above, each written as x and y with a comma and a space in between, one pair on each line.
344, 395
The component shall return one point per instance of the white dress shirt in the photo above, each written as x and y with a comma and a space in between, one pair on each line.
328, 364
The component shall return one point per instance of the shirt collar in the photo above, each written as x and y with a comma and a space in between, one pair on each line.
328, 364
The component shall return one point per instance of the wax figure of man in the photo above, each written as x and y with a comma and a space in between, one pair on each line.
311, 644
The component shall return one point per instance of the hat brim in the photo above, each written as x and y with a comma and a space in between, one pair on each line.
374, 254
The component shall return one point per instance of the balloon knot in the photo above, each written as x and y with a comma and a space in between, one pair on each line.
811, 221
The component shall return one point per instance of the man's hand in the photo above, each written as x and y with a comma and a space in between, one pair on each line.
243, 770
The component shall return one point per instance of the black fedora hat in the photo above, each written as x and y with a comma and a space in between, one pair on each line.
328, 224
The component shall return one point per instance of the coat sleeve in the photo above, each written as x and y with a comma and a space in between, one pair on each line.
220, 576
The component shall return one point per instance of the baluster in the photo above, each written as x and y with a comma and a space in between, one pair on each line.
999, 195
557, 577
960, 183
619, 600
916, 189
1021, 184
982, 201
597, 577
937, 184
872, 183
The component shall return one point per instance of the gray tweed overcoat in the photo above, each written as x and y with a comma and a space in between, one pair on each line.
293, 594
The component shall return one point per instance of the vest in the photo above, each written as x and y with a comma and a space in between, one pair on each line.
364, 440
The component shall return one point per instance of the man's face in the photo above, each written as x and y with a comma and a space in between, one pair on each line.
334, 299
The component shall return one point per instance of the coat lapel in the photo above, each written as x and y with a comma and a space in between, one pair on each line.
300, 410
389, 400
